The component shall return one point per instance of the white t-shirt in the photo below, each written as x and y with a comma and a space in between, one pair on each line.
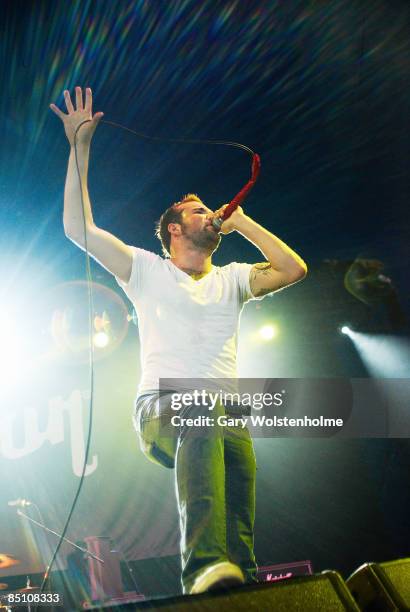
188, 328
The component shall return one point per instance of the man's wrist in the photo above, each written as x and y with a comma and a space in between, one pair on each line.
244, 223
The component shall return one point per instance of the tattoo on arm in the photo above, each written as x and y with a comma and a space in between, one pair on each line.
261, 279
264, 279
260, 269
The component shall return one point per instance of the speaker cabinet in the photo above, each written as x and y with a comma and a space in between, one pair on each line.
321, 592
382, 587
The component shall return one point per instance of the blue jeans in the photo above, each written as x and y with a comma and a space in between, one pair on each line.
215, 473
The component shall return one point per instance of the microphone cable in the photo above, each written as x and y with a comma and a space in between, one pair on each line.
90, 299
240, 197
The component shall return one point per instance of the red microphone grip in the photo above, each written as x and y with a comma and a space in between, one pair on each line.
240, 197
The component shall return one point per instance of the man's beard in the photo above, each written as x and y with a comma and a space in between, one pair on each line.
205, 239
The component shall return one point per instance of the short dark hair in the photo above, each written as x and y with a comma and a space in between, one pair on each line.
172, 215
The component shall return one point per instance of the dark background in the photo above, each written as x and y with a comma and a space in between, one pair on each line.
321, 91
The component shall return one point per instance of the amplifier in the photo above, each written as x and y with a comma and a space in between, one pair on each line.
282, 571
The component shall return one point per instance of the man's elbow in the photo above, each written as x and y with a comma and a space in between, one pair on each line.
298, 272
76, 234
72, 235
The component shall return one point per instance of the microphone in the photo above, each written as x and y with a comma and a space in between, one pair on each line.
239, 198
20, 503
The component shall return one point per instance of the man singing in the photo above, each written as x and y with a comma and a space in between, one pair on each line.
188, 317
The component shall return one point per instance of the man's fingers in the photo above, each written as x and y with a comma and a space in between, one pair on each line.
88, 100
220, 210
57, 111
79, 98
68, 102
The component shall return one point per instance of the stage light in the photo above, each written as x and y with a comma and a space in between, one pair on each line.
384, 356
345, 329
101, 339
268, 332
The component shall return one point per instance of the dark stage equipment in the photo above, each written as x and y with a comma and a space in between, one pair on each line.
382, 587
280, 571
105, 578
326, 591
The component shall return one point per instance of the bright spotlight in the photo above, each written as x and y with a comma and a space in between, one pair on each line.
267, 332
345, 330
384, 356
101, 339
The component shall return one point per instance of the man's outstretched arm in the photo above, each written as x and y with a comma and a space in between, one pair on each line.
108, 250
282, 267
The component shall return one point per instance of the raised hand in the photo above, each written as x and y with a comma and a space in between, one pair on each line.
76, 116
230, 224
